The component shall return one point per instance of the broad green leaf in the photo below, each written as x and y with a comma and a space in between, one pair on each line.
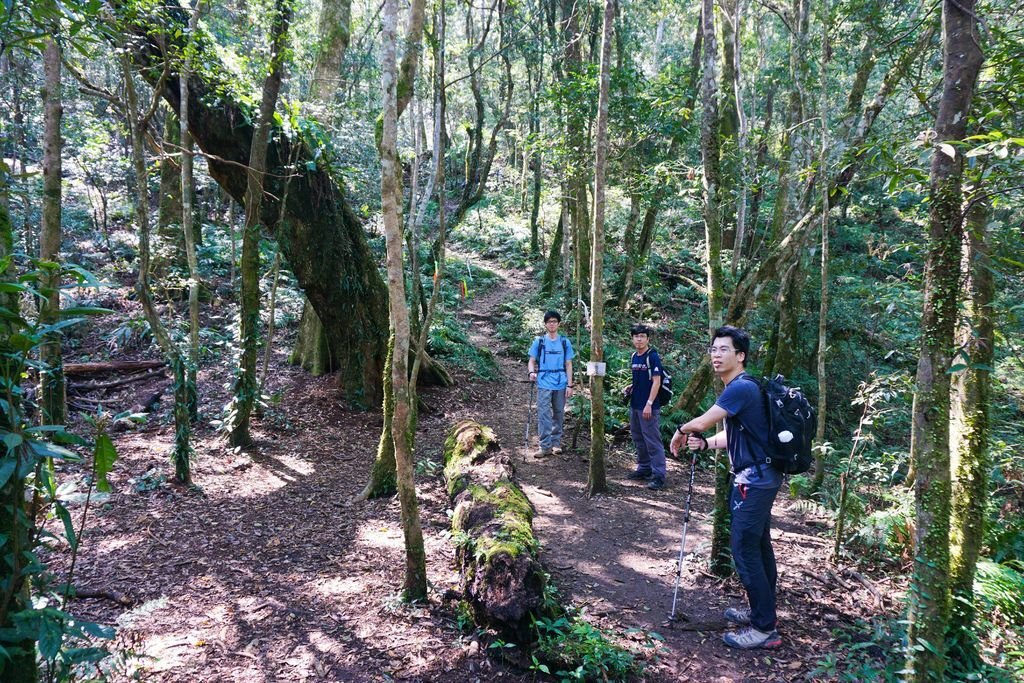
50, 637
12, 288
7, 466
69, 526
45, 449
86, 310
56, 327
104, 455
12, 441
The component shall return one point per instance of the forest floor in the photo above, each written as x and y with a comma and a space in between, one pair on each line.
267, 571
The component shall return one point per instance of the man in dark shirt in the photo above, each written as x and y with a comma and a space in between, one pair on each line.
755, 485
644, 410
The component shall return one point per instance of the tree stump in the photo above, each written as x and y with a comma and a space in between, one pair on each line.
502, 579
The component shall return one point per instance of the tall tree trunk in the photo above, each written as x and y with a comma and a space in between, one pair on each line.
929, 444
15, 529
555, 261
969, 430
710, 151
190, 227
415, 584
577, 128
333, 32
597, 482
169, 252
181, 453
629, 240
245, 381
823, 307
319, 234
53, 402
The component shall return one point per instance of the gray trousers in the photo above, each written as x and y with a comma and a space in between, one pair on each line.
650, 451
550, 417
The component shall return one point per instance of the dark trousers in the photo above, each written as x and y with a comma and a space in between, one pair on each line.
752, 552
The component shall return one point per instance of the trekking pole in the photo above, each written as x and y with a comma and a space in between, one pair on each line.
529, 419
682, 543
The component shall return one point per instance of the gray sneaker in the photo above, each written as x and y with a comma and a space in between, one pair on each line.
738, 615
751, 639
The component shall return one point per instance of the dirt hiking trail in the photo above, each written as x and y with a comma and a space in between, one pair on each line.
267, 571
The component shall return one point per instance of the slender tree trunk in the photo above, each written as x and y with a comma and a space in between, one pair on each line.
823, 308
181, 454
245, 382
597, 482
52, 391
437, 181
192, 233
629, 239
930, 448
710, 151
555, 261
415, 584
971, 458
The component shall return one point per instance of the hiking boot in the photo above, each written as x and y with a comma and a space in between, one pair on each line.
656, 484
738, 615
751, 639
544, 452
638, 475
557, 450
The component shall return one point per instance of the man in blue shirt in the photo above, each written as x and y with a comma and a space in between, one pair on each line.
550, 365
645, 411
755, 486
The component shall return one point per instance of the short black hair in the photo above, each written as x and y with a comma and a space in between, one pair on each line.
740, 339
639, 328
553, 314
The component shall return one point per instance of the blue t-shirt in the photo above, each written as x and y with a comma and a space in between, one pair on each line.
743, 402
551, 364
642, 379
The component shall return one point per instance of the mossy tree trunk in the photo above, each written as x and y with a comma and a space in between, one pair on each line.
319, 234
53, 403
333, 33
597, 481
415, 583
971, 458
930, 447
823, 306
169, 252
501, 576
14, 531
710, 144
312, 346
245, 388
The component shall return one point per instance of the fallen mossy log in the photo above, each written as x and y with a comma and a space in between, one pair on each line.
502, 578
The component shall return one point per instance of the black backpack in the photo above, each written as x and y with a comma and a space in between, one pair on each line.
791, 426
665, 392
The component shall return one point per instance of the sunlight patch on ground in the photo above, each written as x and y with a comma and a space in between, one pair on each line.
339, 586
378, 535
